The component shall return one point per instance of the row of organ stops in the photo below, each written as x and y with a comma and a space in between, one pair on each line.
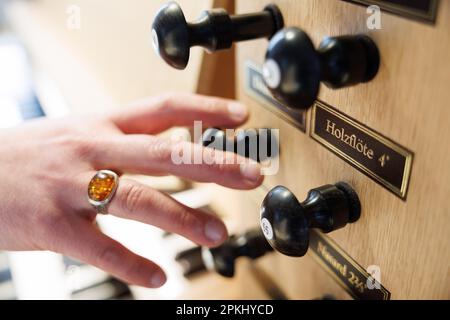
293, 68
293, 71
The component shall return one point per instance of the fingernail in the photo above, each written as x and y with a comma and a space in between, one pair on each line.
237, 110
215, 231
158, 279
251, 171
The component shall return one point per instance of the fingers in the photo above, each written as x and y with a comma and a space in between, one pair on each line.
152, 155
97, 249
155, 115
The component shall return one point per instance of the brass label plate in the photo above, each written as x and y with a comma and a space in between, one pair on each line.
346, 271
256, 88
376, 156
425, 10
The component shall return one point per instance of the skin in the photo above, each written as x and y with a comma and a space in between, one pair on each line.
46, 166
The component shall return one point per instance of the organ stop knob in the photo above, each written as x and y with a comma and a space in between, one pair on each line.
251, 244
294, 69
215, 30
286, 222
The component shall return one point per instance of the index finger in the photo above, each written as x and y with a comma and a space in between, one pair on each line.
160, 113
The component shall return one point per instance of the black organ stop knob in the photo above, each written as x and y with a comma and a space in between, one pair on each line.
294, 69
214, 30
252, 244
256, 144
286, 222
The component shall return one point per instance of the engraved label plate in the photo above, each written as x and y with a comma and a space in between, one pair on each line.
371, 153
256, 88
346, 271
425, 10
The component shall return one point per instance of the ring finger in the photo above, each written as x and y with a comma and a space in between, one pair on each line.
136, 201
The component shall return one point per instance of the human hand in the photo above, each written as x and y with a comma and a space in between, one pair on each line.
46, 166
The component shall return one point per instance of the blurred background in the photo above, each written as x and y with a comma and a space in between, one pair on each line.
65, 57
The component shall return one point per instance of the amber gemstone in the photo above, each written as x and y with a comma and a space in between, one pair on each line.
101, 186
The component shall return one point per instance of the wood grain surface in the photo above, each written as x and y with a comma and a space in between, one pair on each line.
408, 103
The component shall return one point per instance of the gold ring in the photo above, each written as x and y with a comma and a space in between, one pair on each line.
102, 189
